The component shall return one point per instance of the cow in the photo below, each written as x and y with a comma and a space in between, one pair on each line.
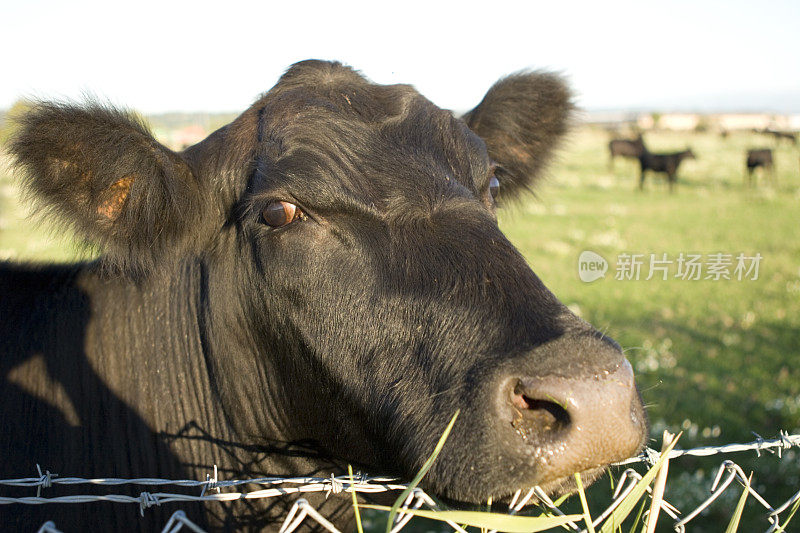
321, 282
759, 157
667, 163
779, 135
630, 148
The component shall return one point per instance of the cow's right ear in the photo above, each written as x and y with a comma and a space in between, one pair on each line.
522, 118
101, 171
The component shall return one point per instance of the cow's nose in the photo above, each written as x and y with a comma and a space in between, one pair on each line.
575, 424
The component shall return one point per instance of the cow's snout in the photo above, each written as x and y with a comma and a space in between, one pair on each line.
568, 424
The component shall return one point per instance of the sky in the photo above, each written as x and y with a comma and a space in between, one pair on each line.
202, 56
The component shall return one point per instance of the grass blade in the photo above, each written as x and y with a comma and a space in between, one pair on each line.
659, 486
422, 471
561, 500
586, 516
621, 513
782, 527
637, 519
733, 526
499, 521
355, 500
488, 510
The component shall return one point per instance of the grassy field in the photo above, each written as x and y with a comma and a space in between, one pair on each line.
709, 353
717, 359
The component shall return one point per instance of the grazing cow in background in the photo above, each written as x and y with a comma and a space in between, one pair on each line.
761, 157
320, 282
630, 148
779, 135
663, 163
788, 135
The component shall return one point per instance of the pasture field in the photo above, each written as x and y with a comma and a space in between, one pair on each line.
716, 353
717, 359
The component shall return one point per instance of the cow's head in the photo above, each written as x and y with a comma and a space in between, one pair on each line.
356, 288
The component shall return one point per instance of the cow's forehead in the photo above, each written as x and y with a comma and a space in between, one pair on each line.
332, 127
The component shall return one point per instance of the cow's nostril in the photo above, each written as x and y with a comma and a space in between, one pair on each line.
539, 417
573, 424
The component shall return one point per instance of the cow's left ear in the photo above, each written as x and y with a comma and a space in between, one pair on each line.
101, 171
522, 119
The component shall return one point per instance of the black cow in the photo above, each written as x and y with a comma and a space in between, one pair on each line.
320, 282
664, 163
760, 157
779, 135
630, 148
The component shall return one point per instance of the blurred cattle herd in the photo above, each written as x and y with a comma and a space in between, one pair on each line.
668, 163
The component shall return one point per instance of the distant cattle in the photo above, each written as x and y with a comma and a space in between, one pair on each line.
667, 163
630, 148
761, 157
320, 282
779, 135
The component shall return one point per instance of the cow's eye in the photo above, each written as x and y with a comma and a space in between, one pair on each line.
494, 187
280, 213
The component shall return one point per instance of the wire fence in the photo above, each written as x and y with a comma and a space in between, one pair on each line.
301, 511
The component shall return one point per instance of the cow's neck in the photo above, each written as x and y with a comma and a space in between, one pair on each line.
115, 380
260, 381
130, 363
224, 404
144, 354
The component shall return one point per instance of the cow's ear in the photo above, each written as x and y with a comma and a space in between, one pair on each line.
522, 119
101, 171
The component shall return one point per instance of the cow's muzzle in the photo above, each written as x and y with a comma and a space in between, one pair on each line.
574, 424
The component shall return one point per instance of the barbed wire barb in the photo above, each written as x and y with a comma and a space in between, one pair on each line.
211, 483
45, 481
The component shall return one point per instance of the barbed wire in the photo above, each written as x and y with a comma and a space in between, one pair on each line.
302, 510
783, 441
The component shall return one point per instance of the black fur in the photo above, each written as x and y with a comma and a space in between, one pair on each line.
522, 118
779, 135
72, 155
630, 148
759, 157
663, 163
351, 335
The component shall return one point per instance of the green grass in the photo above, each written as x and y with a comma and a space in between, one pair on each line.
699, 347
716, 359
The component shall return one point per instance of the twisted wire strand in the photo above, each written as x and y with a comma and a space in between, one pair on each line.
728, 473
